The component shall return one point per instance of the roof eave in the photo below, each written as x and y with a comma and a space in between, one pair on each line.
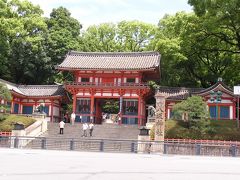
89, 69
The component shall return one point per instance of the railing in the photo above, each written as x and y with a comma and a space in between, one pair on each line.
202, 141
117, 85
5, 133
123, 146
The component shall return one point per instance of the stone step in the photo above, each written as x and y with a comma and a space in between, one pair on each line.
109, 131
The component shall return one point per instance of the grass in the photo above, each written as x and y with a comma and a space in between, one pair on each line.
7, 123
219, 130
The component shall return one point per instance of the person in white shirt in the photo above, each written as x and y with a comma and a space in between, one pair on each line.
61, 126
73, 117
85, 127
91, 125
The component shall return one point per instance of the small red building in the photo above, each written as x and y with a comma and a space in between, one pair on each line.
25, 99
121, 76
220, 99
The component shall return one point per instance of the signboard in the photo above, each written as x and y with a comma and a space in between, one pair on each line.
236, 90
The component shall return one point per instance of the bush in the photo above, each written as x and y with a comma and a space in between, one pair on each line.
2, 117
216, 130
8, 123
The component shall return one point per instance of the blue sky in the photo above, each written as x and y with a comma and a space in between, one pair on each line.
94, 12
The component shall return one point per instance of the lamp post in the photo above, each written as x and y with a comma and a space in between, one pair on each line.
216, 97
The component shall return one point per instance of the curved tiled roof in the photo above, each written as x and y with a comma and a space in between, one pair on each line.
178, 93
41, 90
110, 61
35, 90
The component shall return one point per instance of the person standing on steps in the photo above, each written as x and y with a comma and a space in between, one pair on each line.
85, 127
91, 125
73, 117
61, 126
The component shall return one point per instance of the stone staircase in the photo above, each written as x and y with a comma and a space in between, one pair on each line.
101, 131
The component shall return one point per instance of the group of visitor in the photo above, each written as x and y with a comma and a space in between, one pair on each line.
85, 127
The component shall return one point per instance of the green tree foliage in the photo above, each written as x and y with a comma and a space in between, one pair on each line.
221, 20
6, 95
130, 36
23, 42
221, 28
63, 34
194, 111
135, 36
101, 38
188, 57
110, 106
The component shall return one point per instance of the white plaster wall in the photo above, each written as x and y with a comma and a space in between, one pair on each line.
137, 80
107, 94
115, 94
168, 113
55, 111
231, 112
222, 101
50, 110
119, 80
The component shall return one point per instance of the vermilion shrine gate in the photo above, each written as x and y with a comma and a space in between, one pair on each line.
121, 76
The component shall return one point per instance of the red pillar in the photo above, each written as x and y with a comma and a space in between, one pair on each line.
234, 111
120, 108
51, 111
139, 110
143, 113
19, 108
74, 102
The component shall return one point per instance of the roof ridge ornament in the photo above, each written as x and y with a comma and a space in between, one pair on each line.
220, 79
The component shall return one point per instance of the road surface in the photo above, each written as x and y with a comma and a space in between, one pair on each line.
17, 164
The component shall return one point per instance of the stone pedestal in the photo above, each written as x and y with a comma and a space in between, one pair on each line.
144, 144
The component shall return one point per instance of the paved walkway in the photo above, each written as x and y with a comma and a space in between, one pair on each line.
64, 165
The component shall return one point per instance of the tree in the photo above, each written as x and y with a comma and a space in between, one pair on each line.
194, 111
221, 26
5, 95
135, 36
188, 57
221, 20
63, 36
101, 38
24, 51
130, 36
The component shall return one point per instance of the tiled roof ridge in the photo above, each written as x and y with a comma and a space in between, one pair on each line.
39, 86
217, 84
111, 54
8, 82
180, 88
